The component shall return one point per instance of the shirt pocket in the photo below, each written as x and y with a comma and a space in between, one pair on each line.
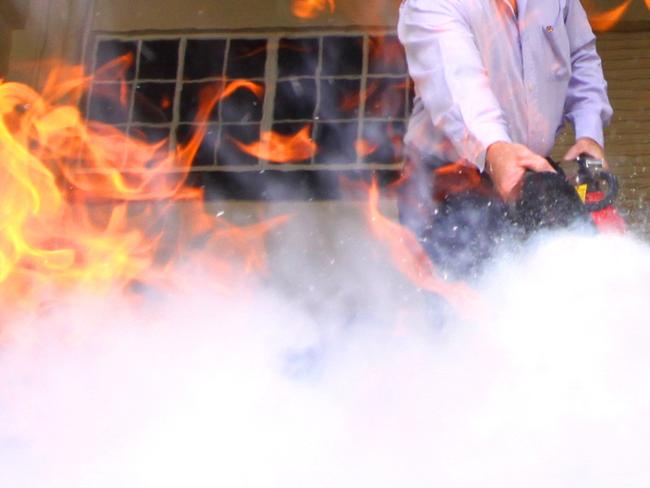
555, 44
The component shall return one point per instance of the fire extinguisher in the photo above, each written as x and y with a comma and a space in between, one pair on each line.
598, 188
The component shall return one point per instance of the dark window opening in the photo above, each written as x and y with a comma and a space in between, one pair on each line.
349, 92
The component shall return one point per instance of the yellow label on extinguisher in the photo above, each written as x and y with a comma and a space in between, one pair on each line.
582, 192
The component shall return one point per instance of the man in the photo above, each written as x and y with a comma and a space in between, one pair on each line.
495, 80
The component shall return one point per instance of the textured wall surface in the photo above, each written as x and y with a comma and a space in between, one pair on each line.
626, 59
626, 62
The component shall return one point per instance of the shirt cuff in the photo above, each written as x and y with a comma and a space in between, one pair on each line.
486, 136
588, 124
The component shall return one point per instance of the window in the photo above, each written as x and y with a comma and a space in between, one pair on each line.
349, 91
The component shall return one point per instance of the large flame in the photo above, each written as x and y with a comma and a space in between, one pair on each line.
86, 205
83, 204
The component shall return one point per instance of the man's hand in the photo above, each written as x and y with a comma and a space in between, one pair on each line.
586, 145
506, 163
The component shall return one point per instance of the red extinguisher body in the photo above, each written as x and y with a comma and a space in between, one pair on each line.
608, 219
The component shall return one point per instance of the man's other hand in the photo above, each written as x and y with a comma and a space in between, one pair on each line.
586, 145
506, 163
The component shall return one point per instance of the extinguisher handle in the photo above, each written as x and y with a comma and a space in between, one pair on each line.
612, 191
556, 166
597, 173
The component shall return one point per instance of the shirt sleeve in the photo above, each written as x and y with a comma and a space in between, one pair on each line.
587, 106
450, 77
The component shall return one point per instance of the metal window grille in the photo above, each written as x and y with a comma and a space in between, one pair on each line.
351, 90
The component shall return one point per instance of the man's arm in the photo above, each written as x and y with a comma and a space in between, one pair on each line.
587, 106
449, 76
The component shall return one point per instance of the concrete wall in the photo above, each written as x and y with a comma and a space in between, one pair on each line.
50, 29
61, 27
136, 15
11, 18
228, 14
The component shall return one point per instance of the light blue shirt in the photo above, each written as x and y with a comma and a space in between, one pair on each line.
483, 74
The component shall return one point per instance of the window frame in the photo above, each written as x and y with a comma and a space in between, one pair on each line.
271, 77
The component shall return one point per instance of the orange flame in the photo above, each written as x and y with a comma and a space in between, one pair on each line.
281, 148
413, 262
456, 178
604, 21
113, 70
310, 9
233, 86
83, 204
364, 147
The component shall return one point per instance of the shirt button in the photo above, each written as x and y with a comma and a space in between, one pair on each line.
549, 28
531, 87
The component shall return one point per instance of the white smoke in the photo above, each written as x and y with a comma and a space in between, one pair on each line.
343, 385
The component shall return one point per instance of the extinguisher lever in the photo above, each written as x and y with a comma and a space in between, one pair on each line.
556, 166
